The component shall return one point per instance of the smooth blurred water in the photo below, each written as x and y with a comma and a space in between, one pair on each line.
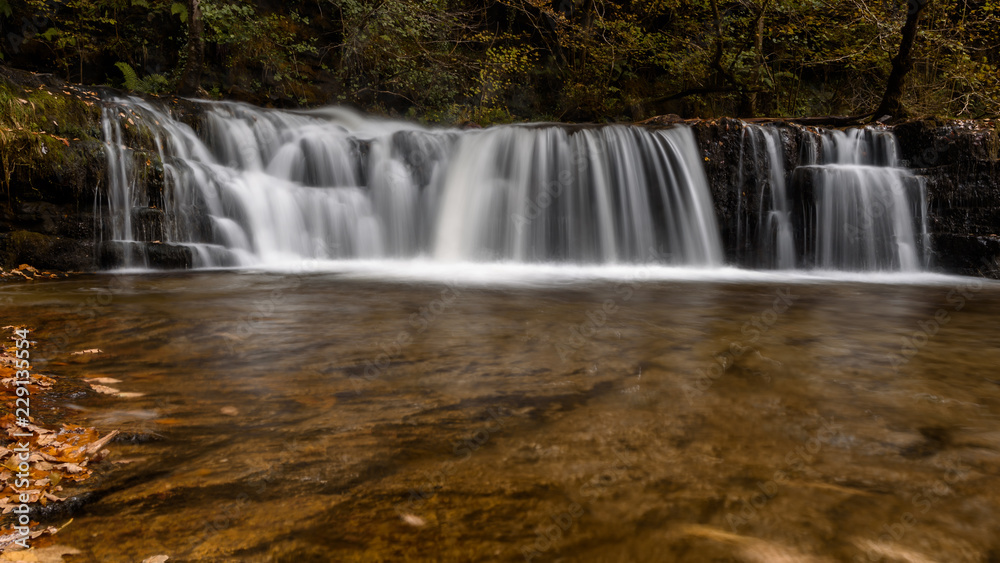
248, 187
362, 414
257, 186
870, 213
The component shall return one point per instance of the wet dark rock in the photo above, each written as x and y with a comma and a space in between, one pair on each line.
147, 224
958, 160
45, 252
934, 440
961, 164
49, 219
972, 255
68, 508
720, 143
160, 256
138, 437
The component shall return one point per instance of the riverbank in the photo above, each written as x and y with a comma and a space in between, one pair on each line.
51, 162
45, 459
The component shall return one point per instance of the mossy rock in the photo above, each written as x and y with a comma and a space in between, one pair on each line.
50, 147
45, 252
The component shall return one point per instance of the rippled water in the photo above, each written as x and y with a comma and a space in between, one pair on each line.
361, 417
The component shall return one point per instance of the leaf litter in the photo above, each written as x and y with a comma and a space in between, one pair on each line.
59, 457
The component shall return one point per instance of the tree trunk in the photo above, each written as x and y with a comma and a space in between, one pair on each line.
753, 107
721, 74
191, 77
892, 104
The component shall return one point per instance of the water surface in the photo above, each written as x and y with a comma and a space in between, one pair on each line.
361, 417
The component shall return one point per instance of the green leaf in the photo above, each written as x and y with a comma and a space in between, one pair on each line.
131, 80
179, 8
50, 33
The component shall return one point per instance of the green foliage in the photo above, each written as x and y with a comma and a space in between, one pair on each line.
179, 9
37, 127
406, 52
503, 69
503, 60
151, 84
265, 45
131, 80
79, 32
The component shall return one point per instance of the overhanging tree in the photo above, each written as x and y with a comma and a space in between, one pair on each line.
892, 100
195, 50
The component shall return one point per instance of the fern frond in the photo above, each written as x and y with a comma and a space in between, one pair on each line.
131, 79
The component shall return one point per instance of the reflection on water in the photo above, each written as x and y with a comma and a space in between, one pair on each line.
335, 417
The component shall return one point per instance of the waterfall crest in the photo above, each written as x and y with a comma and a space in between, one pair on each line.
764, 147
257, 186
870, 214
249, 187
844, 203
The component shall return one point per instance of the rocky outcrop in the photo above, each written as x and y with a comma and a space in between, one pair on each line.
114, 254
53, 178
52, 166
959, 160
51, 160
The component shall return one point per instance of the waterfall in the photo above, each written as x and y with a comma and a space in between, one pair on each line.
848, 205
251, 187
255, 186
869, 213
766, 155
602, 195
124, 195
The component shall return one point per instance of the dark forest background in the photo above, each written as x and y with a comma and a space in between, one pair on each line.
492, 61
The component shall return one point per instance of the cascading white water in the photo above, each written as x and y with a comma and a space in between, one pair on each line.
255, 187
597, 195
870, 214
123, 193
261, 186
849, 206
774, 216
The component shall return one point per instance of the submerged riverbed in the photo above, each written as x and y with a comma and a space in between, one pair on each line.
349, 417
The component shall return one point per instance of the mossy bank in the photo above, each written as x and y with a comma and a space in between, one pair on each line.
51, 161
